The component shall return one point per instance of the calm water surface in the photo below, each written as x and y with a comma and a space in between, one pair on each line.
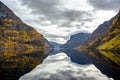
66, 64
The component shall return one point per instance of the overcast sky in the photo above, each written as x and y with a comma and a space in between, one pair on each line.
58, 19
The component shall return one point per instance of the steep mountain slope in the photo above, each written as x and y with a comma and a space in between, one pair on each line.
21, 46
76, 40
14, 34
107, 34
112, 40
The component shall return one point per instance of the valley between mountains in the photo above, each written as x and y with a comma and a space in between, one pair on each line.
25, 54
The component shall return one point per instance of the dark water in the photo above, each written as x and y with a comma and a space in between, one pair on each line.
61, 64
76, 56
15, 63
108, 62
66, 64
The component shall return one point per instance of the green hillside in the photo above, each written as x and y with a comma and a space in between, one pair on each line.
112, 40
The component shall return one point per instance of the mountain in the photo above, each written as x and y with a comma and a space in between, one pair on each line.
76, 40
48, 44
21, 46
112, 39
14, 34
103, 47
105, 37
48, 47
55, 48
56, 45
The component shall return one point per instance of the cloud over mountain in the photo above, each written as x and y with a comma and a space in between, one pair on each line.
105, 4
63, 17
54, 12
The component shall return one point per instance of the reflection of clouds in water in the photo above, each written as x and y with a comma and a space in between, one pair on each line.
59, 67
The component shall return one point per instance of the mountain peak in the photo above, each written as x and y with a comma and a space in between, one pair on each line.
76, 39
6, 12
3, 6
80, 35
1, 3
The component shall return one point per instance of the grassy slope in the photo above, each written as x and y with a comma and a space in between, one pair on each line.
113, 44
112, 40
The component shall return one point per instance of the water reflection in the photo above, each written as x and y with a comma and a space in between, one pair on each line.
61, 65
108, 62
76, 56
56, 51
15, 63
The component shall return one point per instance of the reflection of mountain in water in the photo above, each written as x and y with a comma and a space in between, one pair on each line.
107, 62
58, 66
56, 51
76, 56
16, 63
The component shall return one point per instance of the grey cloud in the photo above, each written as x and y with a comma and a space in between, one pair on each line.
66, 75
61, 75
105, 4
47, 8
41, 6
55, 12
56, 36
73, 15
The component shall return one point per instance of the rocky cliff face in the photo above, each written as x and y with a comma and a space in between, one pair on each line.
76, 40
21, 46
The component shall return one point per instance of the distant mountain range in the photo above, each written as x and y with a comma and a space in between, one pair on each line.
56, 45
76, 40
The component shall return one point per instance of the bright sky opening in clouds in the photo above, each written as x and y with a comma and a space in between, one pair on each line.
57, 20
